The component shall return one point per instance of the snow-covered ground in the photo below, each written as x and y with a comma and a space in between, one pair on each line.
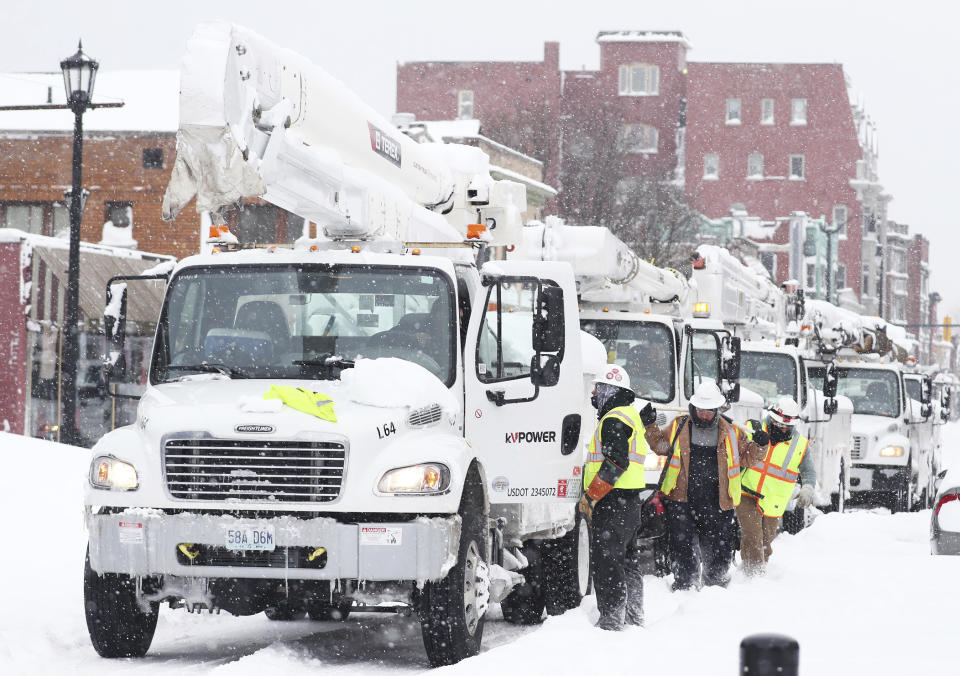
859, 591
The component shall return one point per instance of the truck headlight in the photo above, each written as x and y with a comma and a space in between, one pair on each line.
109, 473
891, 452
654, 462
424, 479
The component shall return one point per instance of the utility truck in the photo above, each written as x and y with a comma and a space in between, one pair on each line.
776, 360
422, 411
893, 455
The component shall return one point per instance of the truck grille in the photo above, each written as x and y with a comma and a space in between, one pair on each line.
241, 470
859, 448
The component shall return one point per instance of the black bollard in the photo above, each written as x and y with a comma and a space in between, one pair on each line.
769, 655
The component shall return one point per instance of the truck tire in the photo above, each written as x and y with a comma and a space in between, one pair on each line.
525, 604
567, 569
452, 610
117, 625
901, 500
794, 520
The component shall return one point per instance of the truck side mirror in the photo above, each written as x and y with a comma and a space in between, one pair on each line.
830, 381
548, 323
830, 406
732, 393
730, 358
115, 330
545, 370
926, 390
926, 410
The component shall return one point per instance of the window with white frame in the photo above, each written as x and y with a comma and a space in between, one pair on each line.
766, 111
798, 111
639, 79
797, 167
841, 282
465, 104
639, 138
711, 166
733, 111
811, 276
840, 218
755, 165
865, 290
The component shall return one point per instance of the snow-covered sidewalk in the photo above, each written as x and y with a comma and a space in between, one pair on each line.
859, 591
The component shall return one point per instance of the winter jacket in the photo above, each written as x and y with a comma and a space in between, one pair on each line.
750, 454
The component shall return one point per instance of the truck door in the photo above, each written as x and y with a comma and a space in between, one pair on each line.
523, 382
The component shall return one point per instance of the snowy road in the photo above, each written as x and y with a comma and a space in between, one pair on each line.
857, 589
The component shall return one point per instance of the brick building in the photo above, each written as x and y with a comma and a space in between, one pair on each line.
762, 139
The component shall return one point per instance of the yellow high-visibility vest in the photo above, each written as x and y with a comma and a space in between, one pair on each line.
733, 462
303, 400
774, 477
633, 476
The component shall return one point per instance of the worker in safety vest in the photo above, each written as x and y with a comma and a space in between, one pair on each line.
701, 485
768, 485
613, 477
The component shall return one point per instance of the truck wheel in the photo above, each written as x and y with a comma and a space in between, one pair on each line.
567, 569
661, 556
902, 498
117, 624
793, 521
334, 613
452, 609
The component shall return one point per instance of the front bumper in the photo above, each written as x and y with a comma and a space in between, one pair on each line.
876, 478
144, 542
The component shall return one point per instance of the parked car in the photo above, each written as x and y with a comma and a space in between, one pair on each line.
945, 516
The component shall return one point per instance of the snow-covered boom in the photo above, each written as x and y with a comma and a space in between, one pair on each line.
257, 120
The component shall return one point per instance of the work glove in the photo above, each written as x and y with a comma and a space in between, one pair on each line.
648, 414
760, 437
586, 505
805, 496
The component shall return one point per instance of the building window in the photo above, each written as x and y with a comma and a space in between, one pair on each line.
766, 111
798, 111
755, 165
26, 217
153, 158
639, 79
840, 218
465, 104
899, 309
639, 138
865, 291
811, 276
797, 168
711, 166
733, 111
118, 213
841, 282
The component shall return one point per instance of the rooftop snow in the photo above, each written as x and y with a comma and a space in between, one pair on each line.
643, 36
151, 101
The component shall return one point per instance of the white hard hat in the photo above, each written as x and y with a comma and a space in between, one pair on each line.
707, 396
614, 374
785, 412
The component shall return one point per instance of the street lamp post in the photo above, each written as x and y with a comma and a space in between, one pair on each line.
829, 232
79, 74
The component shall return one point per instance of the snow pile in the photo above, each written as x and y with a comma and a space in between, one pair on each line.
395, 383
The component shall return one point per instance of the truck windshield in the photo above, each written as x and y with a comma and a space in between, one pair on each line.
914, 388
872, 391
769, 374
644, 349
304, 321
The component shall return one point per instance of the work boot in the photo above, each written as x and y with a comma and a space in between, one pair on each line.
609, 623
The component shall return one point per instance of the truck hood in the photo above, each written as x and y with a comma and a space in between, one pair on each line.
875, 426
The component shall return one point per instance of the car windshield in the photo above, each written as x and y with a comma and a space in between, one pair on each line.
305, 321
644, 349
872, 391
768, 374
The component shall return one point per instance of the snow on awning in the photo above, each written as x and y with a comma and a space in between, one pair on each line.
97, 266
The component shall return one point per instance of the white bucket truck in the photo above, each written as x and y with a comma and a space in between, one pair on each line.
776, 360
429, 410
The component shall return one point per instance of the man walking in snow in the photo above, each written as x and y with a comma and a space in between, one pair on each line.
702, 485
768, 485
613, 477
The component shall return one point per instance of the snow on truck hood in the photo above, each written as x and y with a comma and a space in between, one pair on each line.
875, 425
380, 383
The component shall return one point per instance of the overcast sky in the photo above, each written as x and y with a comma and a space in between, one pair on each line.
900, 57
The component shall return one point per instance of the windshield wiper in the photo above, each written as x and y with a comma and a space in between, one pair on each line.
210, 367
329, 362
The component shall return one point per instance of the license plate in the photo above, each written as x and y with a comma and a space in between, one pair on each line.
250, 538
